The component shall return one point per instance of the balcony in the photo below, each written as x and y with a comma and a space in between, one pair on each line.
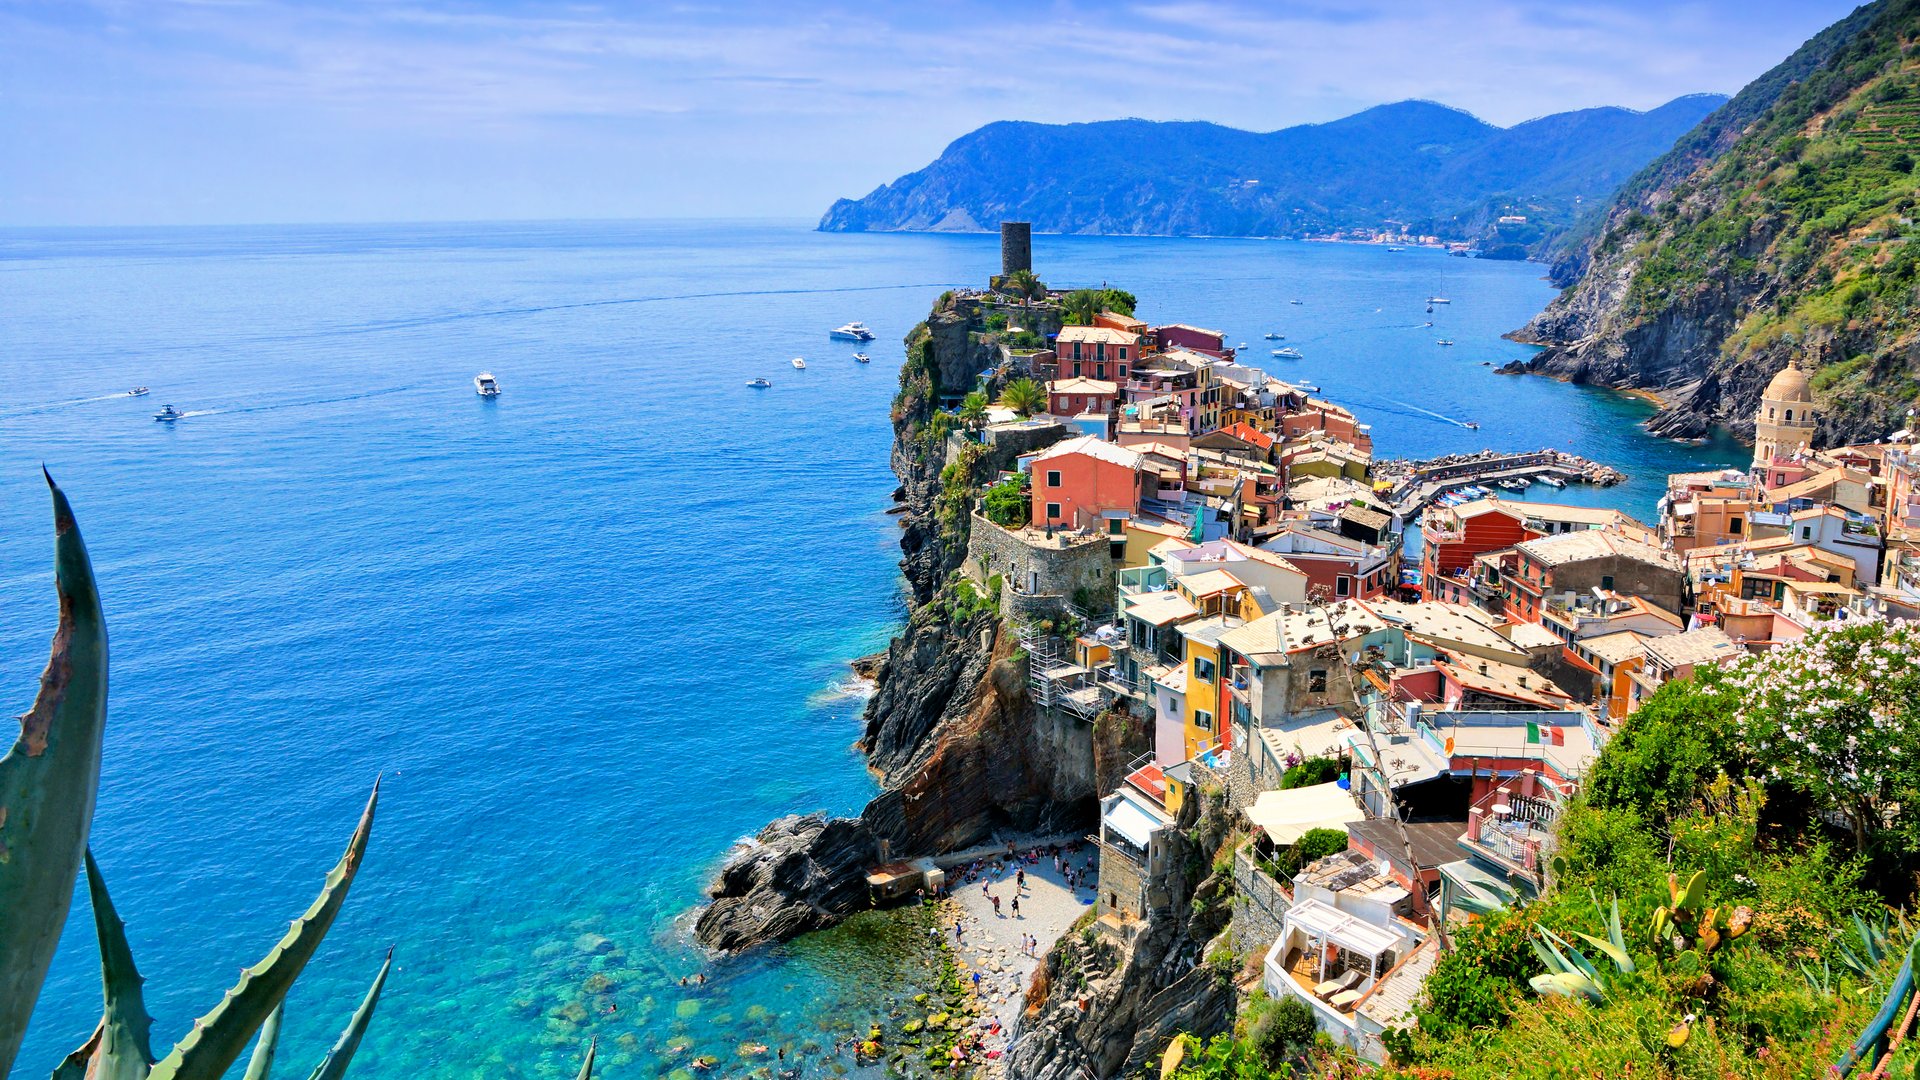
1512, 826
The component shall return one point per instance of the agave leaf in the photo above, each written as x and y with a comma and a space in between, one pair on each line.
1613, 928
586, 1067
120, 1048
260, 1065
1570, 957
1566, 984
334, 1065
1619, 956
48, 784
1869, 947
217, 1038
1473, 905
1552, 962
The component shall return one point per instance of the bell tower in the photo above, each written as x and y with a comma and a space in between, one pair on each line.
1784, 424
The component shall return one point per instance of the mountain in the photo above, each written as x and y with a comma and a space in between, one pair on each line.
1781, 226
1436, 169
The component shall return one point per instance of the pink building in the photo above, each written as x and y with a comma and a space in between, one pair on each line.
1072, 397
1086, 483
1182, 336
1096, 352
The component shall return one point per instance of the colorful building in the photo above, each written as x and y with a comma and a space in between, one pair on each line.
1086, 483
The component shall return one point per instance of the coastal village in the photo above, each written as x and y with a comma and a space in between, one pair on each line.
1210, 558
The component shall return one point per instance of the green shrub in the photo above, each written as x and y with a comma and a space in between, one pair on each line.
1312, 771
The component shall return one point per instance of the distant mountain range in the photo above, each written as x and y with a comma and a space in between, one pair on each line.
1434, 169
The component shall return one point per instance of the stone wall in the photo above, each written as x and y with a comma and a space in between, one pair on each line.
1258, 906
1047, 572
1123, 884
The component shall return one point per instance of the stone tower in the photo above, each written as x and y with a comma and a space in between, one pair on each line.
1016, 247
1785, 420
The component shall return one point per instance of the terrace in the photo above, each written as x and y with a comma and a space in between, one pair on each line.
1512, 825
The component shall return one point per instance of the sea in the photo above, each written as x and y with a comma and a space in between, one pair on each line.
589, 633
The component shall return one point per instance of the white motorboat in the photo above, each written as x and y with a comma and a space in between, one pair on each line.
1289, 353
167, 414
863, 358
138, 391
485, 385
1390, 247
759, 384
1553, 481
1444, 341
1296, 301
853, 331
1438, 300
1271, 336
799, 364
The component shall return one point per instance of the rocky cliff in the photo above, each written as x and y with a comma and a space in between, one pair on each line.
959, 749
1783, 225
1106, 1005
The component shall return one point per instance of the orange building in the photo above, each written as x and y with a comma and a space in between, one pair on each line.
1087, 483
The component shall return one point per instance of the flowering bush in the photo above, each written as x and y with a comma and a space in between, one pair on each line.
1836, 716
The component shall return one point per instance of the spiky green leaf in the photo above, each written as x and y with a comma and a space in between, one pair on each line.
1567, 984
217, 1038
334, 1065
586, 1067
260, 1065
120, 1047
1614, 933
1619, 956
1571, 959
48, 784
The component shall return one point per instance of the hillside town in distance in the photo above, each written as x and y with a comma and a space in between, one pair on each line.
1189, 541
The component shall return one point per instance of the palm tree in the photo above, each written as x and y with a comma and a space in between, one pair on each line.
1024, 396
973, 410
1080, 306
1024, 284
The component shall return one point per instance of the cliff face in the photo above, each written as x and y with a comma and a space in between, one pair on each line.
1140, 993
1781, 226
959, 749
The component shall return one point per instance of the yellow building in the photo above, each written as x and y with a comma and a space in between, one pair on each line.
1206, 682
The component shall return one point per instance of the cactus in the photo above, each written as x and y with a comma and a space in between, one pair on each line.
48, 784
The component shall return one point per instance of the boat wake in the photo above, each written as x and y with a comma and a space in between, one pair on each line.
54, 406
1413, 411
279, 405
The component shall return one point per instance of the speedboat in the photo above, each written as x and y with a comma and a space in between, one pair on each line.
1444, 341
167, 414
1553, 481
863, 358
485, 386
799, 364
1295, 301
1390, 247
1289, 352
759, 384
1271, 336
1472, 425
138, 391
1438, 300
853, 331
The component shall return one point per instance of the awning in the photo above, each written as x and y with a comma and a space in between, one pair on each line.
1132, 821
1286, 816
1318, 919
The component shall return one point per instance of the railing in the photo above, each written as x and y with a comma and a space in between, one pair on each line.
1513, 823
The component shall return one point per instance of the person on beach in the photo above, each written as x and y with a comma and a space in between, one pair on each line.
996, 905
1019, 878
1016, 906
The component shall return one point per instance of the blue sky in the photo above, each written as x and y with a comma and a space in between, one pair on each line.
212, 111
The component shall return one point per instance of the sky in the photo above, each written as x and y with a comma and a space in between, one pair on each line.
138, 112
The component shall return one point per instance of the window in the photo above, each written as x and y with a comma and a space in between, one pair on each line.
1100, 353
1117, 526
1343, 586
1806, 532
1203, 719
1789, 416
1053, 477
1317, 681
1734, 525
1053, 511
1606, 582
1123, 371
1076, 367
1203, 669
1099, 371
1123, 352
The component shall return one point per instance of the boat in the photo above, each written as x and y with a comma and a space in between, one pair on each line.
485, 386
1429, 310
1295, 301
1289, 352
853, 331
138, 391
1438, 300
1390, 247
1444, 341
759, 384
1271, 336
167, 414
1553, 481
1471, 425
799, 364
863, 358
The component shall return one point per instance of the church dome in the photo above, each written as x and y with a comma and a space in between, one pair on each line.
1789, 385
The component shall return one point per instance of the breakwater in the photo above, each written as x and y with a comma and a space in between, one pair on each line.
1415, 484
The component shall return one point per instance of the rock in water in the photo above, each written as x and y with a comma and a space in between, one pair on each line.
805, 873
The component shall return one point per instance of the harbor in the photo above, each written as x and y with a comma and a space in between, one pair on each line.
1411, 486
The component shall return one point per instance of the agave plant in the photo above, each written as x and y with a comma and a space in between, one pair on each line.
48, 785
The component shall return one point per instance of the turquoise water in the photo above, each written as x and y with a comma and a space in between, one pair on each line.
591, 631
